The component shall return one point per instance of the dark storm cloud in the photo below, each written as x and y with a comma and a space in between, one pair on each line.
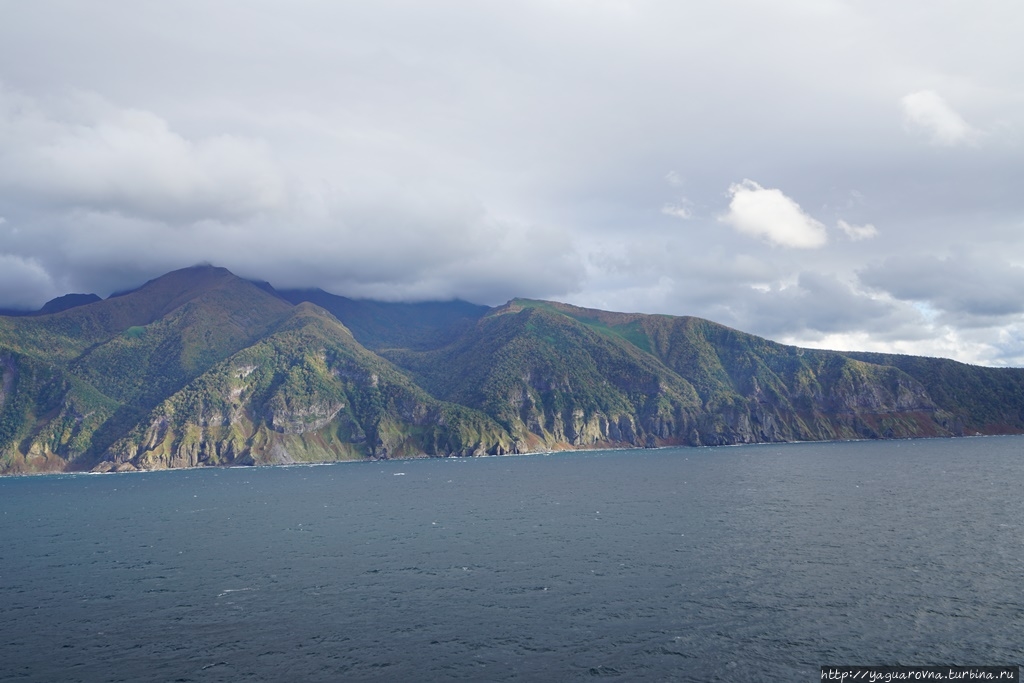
803, 170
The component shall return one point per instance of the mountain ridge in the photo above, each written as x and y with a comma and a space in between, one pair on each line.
201, 367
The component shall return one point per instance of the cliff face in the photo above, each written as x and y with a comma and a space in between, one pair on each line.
555, 376
202, 368
308, 392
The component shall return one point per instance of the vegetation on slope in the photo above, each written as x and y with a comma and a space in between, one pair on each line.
98, 368
200, 367
382, 325
981, 400
306, 392
531, 362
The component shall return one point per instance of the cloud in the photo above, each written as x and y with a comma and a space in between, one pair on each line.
773, 294
85, 152
25, 281
816, 303
485, 150
397, 246
928, 112
103, 198
681, 209
771, 215
857, 232
967, 289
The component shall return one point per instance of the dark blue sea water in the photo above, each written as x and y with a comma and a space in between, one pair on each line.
751, 563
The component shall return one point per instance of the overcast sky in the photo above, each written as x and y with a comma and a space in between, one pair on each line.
837, 174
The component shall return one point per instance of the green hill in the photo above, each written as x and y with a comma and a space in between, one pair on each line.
200, 367
81, 377
671, 380
306, 392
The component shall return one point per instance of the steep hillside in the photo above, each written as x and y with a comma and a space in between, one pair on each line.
552, 382
981, 400
306, 392
74, 381
200, 367
714, 385
792, 393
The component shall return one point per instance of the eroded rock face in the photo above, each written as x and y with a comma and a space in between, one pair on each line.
859, 408
227, 429
301, 420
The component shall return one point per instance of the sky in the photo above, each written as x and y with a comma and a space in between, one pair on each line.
845, 175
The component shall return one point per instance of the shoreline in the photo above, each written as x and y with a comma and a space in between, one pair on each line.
322, 463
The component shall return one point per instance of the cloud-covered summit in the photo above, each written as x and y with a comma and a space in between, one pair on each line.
816, 172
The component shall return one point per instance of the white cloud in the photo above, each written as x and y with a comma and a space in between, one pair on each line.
771, 215
681, 209
928, 112
674, 179
858, 232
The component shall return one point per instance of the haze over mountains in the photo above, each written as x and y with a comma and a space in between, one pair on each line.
200, 367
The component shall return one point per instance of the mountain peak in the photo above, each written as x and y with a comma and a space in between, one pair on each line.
198, 275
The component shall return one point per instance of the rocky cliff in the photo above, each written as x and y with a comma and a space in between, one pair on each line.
202, 368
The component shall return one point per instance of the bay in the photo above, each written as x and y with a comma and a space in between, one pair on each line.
744, 563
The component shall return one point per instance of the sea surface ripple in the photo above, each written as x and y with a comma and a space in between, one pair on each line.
750, 563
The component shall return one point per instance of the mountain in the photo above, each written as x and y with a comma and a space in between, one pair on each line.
560, 374
378, 324
61, 303
200, 367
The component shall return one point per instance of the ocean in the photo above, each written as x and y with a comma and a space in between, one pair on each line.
749, 563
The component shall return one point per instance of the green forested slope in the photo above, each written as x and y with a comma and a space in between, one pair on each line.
306, 392
200, 367
81, 377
